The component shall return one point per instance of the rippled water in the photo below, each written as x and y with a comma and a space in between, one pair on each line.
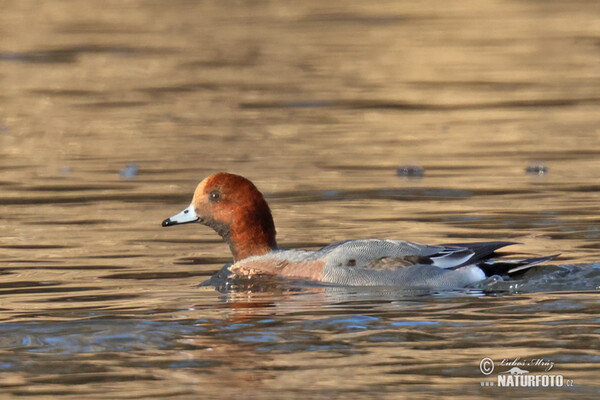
427, 121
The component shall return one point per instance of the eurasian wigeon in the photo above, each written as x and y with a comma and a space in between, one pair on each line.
238, 212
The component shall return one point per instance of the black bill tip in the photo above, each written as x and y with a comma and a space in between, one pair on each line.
168, 222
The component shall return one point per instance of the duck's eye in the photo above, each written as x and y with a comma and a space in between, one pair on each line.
214, 196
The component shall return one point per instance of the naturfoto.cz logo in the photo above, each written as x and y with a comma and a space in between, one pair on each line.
517, 373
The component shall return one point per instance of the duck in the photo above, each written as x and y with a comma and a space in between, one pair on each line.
237, 211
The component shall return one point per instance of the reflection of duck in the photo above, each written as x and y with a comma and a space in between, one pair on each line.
233, 206
515, 371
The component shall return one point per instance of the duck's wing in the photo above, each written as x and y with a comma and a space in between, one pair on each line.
382, 255
406, 264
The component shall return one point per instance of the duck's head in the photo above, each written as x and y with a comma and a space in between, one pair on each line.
236, 210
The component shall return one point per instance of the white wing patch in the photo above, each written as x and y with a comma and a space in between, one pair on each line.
450, 258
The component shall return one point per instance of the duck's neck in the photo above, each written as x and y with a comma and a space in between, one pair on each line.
251, 235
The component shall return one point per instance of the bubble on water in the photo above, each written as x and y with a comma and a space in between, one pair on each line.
536, 168
130, 171
64, 171
410, 171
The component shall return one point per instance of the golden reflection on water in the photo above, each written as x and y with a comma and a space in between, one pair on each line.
318, 103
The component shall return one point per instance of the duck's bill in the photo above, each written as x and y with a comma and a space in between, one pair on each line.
185, 217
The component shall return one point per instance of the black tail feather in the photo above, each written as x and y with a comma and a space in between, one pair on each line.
510, 266
485, 257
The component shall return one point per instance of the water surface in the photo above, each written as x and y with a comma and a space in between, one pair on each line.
112, 112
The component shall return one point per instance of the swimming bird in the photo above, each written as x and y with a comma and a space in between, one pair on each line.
233, 206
